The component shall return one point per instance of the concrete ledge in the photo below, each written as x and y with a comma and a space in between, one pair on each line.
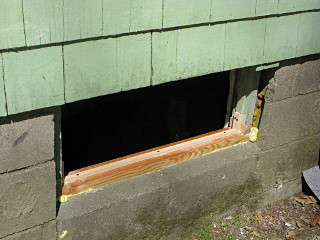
27, 198
43, 232
27, 142
286, 163
155, 205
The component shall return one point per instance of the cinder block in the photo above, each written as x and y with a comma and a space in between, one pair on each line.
153, 205
286, 163
190, 12
11, 24
283, 82
25, 143
43, 20
289, 120
27, 198
308, 79
82, 19
46, 231
33, 79
3, 110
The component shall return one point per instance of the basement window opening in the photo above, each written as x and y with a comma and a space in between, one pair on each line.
110, 138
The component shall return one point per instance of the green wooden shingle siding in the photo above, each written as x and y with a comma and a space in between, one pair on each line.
3, 111
86, 48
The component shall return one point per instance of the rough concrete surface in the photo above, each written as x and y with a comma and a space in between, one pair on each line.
295, 77
286, 163
289, 120
27, 198
26, 143
163, 202
46, 231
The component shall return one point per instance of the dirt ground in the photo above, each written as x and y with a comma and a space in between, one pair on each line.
291, 218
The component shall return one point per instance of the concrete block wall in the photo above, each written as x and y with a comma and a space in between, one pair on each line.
28, 176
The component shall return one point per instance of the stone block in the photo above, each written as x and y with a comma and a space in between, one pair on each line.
308, 79
289, 120
27, 198
155, 204
286, 163
26, 142
46, 231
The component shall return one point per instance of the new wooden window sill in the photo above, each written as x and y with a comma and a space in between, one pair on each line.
102, 174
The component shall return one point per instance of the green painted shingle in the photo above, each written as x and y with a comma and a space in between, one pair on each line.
116, 17
134, 61
3, 111
266, 7
90, 69
187, 53
43, 21
82, 19
281, 38
309, 34
244, 43
287, 6
185, 12
145, 15
222, 10
33, 79
11, 24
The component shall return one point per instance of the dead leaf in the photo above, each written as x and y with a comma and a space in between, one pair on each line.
290, 234
316, 220
215, 232
305, 199
299, 224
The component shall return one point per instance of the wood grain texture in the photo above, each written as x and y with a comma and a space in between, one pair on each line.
91, 69
33, 79
134, 61
187, 53
246, 93
222, 10
11, 24
82, 19
185, 12
244, 43
266, 7
110, 172
3, 111
309, 34
43, 21
281, 38
288, 6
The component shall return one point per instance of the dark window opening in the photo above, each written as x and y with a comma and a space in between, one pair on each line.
104, 128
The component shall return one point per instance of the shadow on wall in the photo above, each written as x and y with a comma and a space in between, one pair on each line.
116, 125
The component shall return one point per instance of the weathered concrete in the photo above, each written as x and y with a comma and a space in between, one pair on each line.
46, 231
289, 120
294, 77
26, 142
159, 203
286, 163
27, 198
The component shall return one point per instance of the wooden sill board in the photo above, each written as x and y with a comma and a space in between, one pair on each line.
102, 174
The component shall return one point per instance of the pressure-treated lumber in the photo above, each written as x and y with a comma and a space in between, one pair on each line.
109, 172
